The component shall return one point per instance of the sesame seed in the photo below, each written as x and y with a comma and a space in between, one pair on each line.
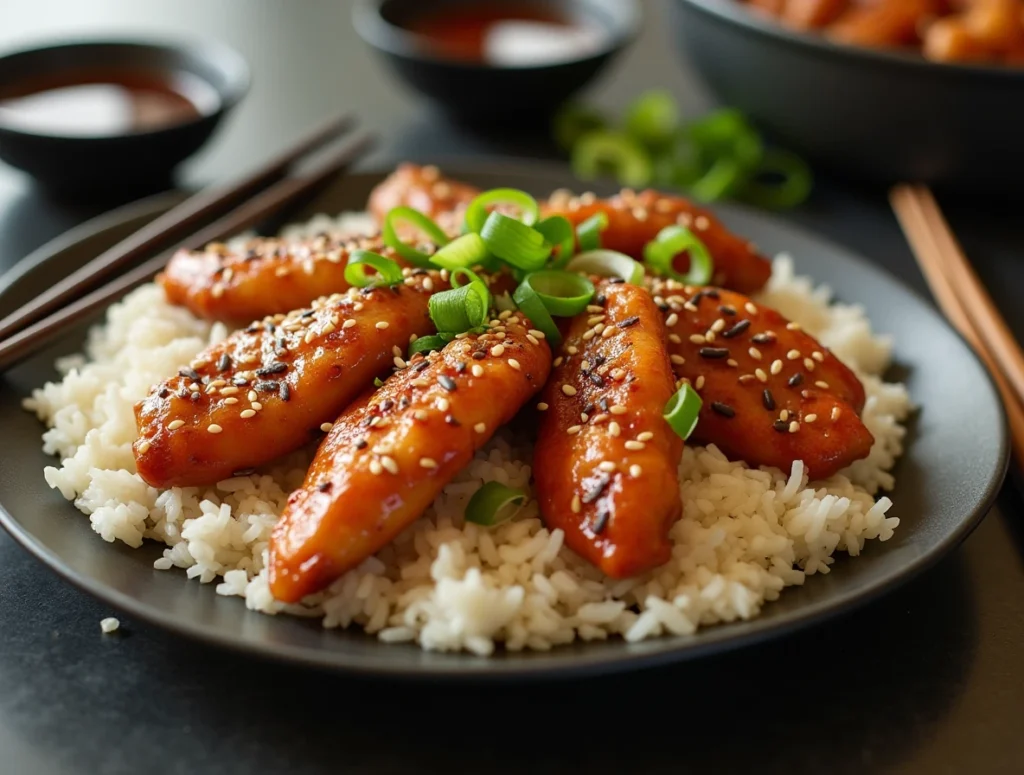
399, 362
810, 417
420, 414
608, 332
576, 505
776, 367
713, 352
679, 360
443, 404
231, 401
808, 364
594, 320
674, 339
718, 325
558, 361
144, 447
389, 464
764, 338
835, 412
754, 353
447, 383
617, 409
634, 445
173, 425
381, 324
700, 382
761, 376
214, 428
537, 333
780, 426
723, 409
532, 339
671, 320
736, 330
628, 322
645, 436
792, 326
818, 356
257, 405
514, 364
617, 374
376, 468
732, 362
348, 323
572, 430
795, 380
768, 400
709, 335
794, 426
822, 384
497, 350
428, 462
607, 466
614, 429
784, 415
569, 390
701, 223
749, 307
697, 339
480, 427
793, 355
477, 370
326, 426
571, 350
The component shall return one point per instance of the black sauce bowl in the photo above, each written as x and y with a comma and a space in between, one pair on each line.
484, 94
872, 116
129, 163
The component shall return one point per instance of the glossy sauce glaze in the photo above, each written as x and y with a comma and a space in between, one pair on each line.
103, 103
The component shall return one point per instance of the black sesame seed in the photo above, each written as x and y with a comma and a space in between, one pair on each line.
252, 329
269, 326
421, 365
768, 400
196, 396
603, 403
307, 313
601, 520
763, 338
781, 426
461, 366
224, 363
268, 386
593, 492
711, 293
595, 379
367, 290
631, 321
274, 368
280, 344
736, 330
239, 382
600, 360
285, 392
191, 374
725, 309
403, 402
244, 472
714, 352
163, 392
362, 444
615, 281
600, 299
450, 419
324, 487
589, 408
447, 383
386, 404
365, 422
723, 409
796, 379
418, 271
479, 355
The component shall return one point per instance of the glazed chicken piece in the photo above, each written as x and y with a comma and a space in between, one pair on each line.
606, 462
423, 189
883, 24
771, 393
634, 219
266, 390
265, 277
389, 455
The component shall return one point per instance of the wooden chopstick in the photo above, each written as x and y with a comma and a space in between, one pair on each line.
944, 267
275, 200
198, 209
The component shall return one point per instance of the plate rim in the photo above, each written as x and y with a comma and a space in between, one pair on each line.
548, 666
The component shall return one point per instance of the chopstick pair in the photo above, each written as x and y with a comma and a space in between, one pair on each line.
963, 299
264, 193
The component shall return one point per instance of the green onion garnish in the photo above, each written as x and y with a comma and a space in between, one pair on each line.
489, 505
467, 250
557, 231
426, 344
597, 152
660, 254
378, 382
589, 232
414, 218
653, 118
573, 121
608, 263
682, 410
514, 242
460, 309
564, 294
388, 271
782, 180
477, 213
531, 305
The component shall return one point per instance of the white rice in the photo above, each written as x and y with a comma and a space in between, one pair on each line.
449, 585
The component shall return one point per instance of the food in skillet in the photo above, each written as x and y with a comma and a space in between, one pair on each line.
970, 31
488, 546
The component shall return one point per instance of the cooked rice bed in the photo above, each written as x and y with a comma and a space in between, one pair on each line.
745, 535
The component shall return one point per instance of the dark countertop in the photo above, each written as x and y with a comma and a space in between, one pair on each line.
926, 681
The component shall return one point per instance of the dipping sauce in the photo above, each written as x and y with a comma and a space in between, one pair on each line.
506, 33
104, 103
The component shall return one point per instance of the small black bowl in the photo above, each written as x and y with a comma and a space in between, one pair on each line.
131, 162
494, 94
874, 116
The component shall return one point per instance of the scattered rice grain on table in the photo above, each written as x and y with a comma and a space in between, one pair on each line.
746, 534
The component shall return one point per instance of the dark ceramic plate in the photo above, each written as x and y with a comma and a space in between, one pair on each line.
955, 461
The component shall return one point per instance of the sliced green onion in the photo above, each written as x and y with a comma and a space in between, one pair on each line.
489, 505
557, 231
467, 250
573, 121
682, 411
598, 152
477, 213
660, 254
608, 263
723, 178
531, 305
414, 218
460, 309
464, 276
378, 382
515, 242
653, 119
782, 180
427, 343
388, 271
563, 293
589, 232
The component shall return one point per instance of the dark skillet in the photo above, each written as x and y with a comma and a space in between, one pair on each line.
955, 461
869, 115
